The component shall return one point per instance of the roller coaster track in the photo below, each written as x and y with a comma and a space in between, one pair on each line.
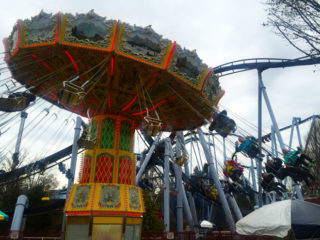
262, 64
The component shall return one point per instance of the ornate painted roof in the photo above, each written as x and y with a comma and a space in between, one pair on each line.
119, 68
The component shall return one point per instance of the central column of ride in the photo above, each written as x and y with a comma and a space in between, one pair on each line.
106, 204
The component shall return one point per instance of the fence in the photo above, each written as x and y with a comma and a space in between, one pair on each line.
200, 236
33, 235
4, 235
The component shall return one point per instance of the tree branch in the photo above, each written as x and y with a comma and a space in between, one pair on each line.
284, 35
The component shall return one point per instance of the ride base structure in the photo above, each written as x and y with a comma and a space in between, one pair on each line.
122, 78
106, 188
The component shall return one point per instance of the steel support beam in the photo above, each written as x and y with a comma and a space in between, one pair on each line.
193, 212
167, 155
259, 159
291, 132
216, 179
188, 202
296, 187
17, 225
298, 131
262, 88
215, 153
234, 206
15, 156
147, 158
224, 149
74, 154
179, 206
274, 143
298, 191
254, 183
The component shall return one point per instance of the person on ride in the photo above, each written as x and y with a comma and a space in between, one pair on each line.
248, 146
298, 174
268, 184
274, 165
296, 158
232, 170
222, 124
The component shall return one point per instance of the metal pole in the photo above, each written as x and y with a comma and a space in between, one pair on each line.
298, 132
274, 197
15, 156
296, 187
186, 165
215, 153
267, 198
274, 143
191, 146
254, 183
74, 154
189, 207
210, 212
259, 160
273, 119
147, 158
224, 149
291, 132
186, 168
186, 206
216, 179
235, 207
193, 212
167, 155
298, 191
17, 221
179, 206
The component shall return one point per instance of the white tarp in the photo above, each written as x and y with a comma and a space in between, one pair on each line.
272, 220
206, 224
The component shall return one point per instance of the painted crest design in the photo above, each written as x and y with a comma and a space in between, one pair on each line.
110, 196
81, 196
134, 201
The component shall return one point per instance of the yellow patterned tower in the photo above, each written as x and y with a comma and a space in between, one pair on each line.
106, 191
125, 77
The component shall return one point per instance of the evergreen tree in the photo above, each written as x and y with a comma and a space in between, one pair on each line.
151, 222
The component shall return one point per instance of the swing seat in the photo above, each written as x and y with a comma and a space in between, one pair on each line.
87, 144
152, 126
227, 126
181, 160
45, 198
13, 104
71, 94
214, 193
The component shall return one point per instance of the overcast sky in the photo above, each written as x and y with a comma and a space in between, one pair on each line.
220, 31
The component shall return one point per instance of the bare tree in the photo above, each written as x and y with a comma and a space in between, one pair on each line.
297, 21
313, 150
